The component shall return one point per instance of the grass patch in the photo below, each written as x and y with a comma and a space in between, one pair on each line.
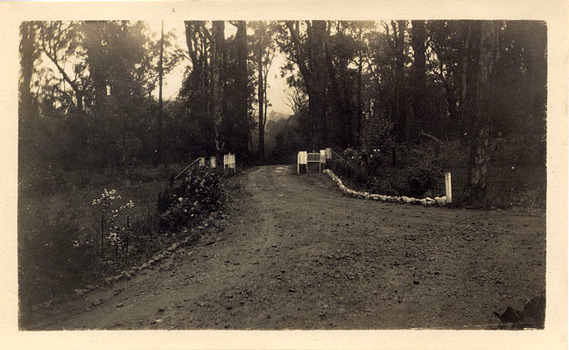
60, 234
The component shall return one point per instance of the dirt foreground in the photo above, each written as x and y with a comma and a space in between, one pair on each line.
296, 253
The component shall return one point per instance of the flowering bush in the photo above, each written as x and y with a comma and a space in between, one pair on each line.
385, 198
200, 192
114, 226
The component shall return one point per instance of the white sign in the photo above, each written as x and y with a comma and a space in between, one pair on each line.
229, 161
313, 157
303, 158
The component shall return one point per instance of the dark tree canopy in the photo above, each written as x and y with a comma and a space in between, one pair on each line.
388, 90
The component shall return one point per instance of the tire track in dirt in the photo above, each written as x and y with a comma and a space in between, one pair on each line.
298, 254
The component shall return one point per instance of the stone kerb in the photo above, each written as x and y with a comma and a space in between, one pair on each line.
385, 198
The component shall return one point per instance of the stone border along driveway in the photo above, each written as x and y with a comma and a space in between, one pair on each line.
392, 199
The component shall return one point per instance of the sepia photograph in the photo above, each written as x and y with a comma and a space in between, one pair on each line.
236, 173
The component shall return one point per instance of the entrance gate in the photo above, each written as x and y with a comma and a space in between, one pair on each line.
304, 159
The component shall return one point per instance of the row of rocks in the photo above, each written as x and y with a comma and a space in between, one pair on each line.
394, 199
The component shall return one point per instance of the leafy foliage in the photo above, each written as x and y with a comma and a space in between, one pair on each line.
115, 222
58, 256
200, 191
389, 89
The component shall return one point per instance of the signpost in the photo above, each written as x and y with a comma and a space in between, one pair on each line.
229, 162
313, 158
304, 158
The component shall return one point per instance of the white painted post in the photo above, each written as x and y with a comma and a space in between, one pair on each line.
302, 160
448, 186
328, 153
212, 162
201, 162
322, 159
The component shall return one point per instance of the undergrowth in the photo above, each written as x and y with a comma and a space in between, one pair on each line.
513, 182
72, 238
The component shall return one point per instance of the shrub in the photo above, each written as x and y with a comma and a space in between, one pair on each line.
419, 173
200, 192
377, 142
57, 257
114, 222
422, 173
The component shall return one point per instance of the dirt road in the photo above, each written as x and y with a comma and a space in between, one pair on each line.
298, 254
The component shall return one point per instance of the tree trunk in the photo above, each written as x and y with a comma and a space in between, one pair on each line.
160, 107
310, 58
359, 111
317, 41
469, 75
400, 116
27, 48
419, 70
97, 67
484, 111
242, 124
261, 97
217, 86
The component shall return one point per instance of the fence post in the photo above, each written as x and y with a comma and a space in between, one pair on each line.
302, 159
448, 186
322, 160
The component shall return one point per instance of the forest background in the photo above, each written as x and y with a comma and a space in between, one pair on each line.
401, 100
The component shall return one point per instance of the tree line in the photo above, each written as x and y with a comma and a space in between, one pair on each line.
383, 88
87, 91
